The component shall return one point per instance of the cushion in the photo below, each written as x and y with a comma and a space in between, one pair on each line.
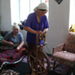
70, 43
69, 47
3, 33
65, 55
71, 38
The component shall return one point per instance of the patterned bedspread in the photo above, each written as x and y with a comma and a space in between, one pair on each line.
11, 55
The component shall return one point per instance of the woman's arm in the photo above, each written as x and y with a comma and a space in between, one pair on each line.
45, 30
20, 45
8, 42
32, 31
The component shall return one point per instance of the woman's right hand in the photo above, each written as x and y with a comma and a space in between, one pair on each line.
11, 43
39, 32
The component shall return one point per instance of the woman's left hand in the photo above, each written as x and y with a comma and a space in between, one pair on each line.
18, 48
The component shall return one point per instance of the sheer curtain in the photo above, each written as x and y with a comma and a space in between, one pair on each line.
20, 9
72, 12
72, 16
27, 6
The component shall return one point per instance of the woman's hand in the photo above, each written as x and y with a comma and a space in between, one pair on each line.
18, 48
11, 43
39, 32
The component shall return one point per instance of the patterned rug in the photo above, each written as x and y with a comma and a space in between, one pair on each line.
9, 72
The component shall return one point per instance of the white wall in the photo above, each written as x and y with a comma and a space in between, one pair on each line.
0, 15
58, 20
5, 15
0, 7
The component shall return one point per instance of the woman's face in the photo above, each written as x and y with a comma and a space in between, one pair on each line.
15, 31
42, 12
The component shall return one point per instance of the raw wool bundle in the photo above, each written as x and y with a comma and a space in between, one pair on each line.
9, 72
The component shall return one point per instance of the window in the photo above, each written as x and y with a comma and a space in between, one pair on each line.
72, 16
28, 6
14, 5
21, 8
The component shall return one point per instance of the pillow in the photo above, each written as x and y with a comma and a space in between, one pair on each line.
70, 42
71, 38
69, 47
3, 33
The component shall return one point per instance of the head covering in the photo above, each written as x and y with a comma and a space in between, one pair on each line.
15, 25
41, 6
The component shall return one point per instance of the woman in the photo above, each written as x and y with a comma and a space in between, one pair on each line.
36, 23
14, 38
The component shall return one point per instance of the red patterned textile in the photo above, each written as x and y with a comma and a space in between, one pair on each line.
11, 55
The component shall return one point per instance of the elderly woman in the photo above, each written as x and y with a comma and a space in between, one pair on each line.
14, 38
36, 23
